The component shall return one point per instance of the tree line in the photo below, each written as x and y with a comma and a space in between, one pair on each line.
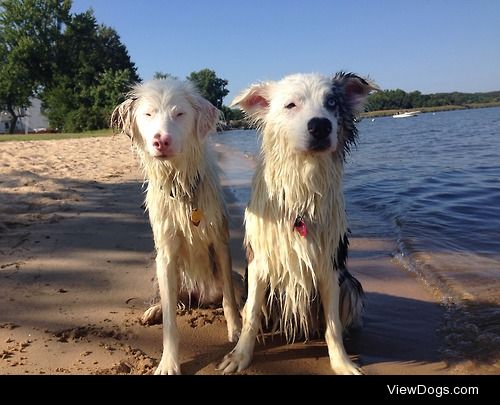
401, 100
78, 68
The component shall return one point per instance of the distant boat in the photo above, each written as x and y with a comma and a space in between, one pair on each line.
406, 114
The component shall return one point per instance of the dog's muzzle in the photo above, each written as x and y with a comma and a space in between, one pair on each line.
320, 130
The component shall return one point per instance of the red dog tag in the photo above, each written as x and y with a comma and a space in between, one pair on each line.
300, 226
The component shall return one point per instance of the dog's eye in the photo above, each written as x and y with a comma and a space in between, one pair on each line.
330, 102
290, 106
147, 114
179, 114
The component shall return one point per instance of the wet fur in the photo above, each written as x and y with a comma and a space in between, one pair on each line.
190, 259
289, 274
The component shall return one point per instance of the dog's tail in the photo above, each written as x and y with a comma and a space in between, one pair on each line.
351, 301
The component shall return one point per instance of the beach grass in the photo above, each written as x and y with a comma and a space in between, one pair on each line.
54, 136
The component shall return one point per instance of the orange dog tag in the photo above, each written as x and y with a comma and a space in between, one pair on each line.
196, 216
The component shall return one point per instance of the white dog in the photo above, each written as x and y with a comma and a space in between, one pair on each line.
296, 226
168, 121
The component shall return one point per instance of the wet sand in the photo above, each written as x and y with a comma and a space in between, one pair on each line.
77, 262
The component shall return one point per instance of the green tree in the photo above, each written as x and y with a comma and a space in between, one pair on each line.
398, 99
392, 100
210, 86
93, 71
232, 114
161, 75
108, 92
416, 99
29, 31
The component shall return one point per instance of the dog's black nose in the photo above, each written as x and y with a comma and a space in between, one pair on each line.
319, 128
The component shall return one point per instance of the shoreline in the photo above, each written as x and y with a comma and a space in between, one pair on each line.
388, 113
241, 125
77, 262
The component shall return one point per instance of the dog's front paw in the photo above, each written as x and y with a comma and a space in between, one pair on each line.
234, 362
168, 367
152, 316
234, 330
347, 369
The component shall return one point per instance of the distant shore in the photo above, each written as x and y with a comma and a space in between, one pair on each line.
386, 113
244, 124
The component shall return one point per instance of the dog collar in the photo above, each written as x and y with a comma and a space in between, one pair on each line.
194, 189
196, 214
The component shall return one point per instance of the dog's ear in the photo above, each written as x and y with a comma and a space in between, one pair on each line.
355, 89
121, 118
208, 116
254, 100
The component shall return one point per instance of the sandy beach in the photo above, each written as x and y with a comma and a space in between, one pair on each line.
76, 269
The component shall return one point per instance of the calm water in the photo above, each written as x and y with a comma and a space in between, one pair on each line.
432, 184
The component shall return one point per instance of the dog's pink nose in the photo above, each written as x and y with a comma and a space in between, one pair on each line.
162, 142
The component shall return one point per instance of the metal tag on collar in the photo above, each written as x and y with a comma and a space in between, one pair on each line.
196, 216
300, 226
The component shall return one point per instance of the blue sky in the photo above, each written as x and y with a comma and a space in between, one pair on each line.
426, 45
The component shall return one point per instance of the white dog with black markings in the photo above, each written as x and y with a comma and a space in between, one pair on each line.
168, 122
296, 225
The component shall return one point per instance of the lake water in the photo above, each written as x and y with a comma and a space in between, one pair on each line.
431, 184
